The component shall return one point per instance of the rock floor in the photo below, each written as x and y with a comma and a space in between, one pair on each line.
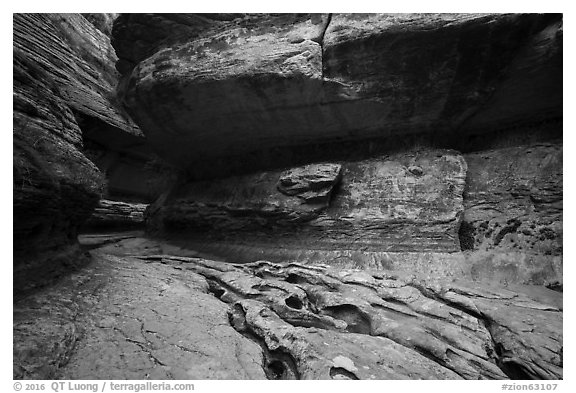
143, 311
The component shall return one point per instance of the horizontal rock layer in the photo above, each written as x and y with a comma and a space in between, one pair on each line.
384, 211
222, 88
407, 201
117, 214
497, 266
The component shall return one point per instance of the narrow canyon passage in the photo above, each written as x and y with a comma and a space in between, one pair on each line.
288, 196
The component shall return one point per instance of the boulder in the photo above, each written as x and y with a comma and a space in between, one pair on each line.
311, 183
228, 89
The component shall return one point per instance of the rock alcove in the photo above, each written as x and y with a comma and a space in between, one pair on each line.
332, 196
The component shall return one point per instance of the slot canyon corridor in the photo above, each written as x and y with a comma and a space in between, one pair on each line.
287, 196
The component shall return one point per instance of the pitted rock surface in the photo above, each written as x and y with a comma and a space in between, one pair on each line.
139, 315
513, 199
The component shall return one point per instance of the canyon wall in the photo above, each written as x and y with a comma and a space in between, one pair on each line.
336, 196
259, 87
446, 129
365, 133
64, 110
403, 202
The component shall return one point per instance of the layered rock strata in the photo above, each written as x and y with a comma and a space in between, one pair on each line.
110, 214
513, 199
63, 74
410, 201
262, 94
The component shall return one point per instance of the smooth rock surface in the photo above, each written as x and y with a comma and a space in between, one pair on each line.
498, 267
223, 89
138, 315
121, 319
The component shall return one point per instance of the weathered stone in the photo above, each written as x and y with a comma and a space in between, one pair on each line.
136, 36
63, 72
114, 213
222, 90
471, 72
312, 183
379, 205
295, 322
120, 319
513, 200
77, 60
55, 186
102, 22
464, 327
415, 170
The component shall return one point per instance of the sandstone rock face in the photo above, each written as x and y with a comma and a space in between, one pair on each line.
78, 59
381, 204
136, 36
262, 94
346, 197
513, 200
63, 69
75, 56
117, 214
102, 22
496, 266
55, 186
310, 183
193, 318
471, 72
254, 83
